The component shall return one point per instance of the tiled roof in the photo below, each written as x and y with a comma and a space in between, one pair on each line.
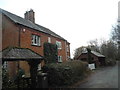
27, 23
50, 32
95, 53
20, 54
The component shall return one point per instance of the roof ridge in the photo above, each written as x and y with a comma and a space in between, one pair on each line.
97, 53
94, 52
11, 13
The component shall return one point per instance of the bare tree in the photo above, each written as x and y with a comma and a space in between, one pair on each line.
116, 38
116, 33
78, 51
109, 49
93, 45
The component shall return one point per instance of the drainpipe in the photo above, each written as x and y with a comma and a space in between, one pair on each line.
18, 66
19, 36
66, 50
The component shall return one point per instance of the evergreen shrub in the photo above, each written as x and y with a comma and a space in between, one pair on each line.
60, 74
50, 53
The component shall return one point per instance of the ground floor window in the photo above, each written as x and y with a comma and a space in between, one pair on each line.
59, 58
39, 67
5, 65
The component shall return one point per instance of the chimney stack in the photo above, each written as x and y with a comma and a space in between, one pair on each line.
29, 15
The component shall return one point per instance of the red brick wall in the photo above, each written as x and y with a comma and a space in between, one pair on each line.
10, 33
92, 55
12, 68
26, 41
85, 56
25, 66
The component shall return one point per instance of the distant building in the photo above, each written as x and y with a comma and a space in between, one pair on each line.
96, 58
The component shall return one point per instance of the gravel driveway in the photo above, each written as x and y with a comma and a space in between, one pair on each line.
106, 77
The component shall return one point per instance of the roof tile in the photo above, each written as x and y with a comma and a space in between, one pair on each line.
27, 23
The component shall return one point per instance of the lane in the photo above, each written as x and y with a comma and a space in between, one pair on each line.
103, 78
0, 77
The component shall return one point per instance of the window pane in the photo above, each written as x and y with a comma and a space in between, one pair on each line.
35, 40
59, 58
49, 40
59, 45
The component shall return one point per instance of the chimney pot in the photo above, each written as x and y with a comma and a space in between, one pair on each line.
29, 15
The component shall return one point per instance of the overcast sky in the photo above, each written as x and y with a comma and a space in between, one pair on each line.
78, 21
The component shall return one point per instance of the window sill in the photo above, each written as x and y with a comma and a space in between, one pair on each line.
59, 62
36, 45
59, 48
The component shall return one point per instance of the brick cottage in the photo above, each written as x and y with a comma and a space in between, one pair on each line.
97, 58
25, 33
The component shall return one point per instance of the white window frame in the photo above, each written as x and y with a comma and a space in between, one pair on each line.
60, 59
68, 57
39, 67
59, 44
67, 48
5, 65
36, 40
49, 40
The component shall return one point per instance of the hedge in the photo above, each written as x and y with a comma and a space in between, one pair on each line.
60, 74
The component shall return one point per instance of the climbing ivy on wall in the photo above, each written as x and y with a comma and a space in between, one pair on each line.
50, 53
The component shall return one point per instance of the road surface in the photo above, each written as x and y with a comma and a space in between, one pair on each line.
106, 77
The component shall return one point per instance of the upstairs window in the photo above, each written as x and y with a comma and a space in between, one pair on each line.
36, 40
59, 45
67, 48
49, 40
59, 58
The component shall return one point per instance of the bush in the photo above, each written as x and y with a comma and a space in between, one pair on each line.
110, 62
8, 82
66, 73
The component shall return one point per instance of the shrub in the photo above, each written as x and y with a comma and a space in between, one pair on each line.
110, 62
8, 82
66, 73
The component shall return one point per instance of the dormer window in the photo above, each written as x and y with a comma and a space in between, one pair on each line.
67, 48
36, 40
